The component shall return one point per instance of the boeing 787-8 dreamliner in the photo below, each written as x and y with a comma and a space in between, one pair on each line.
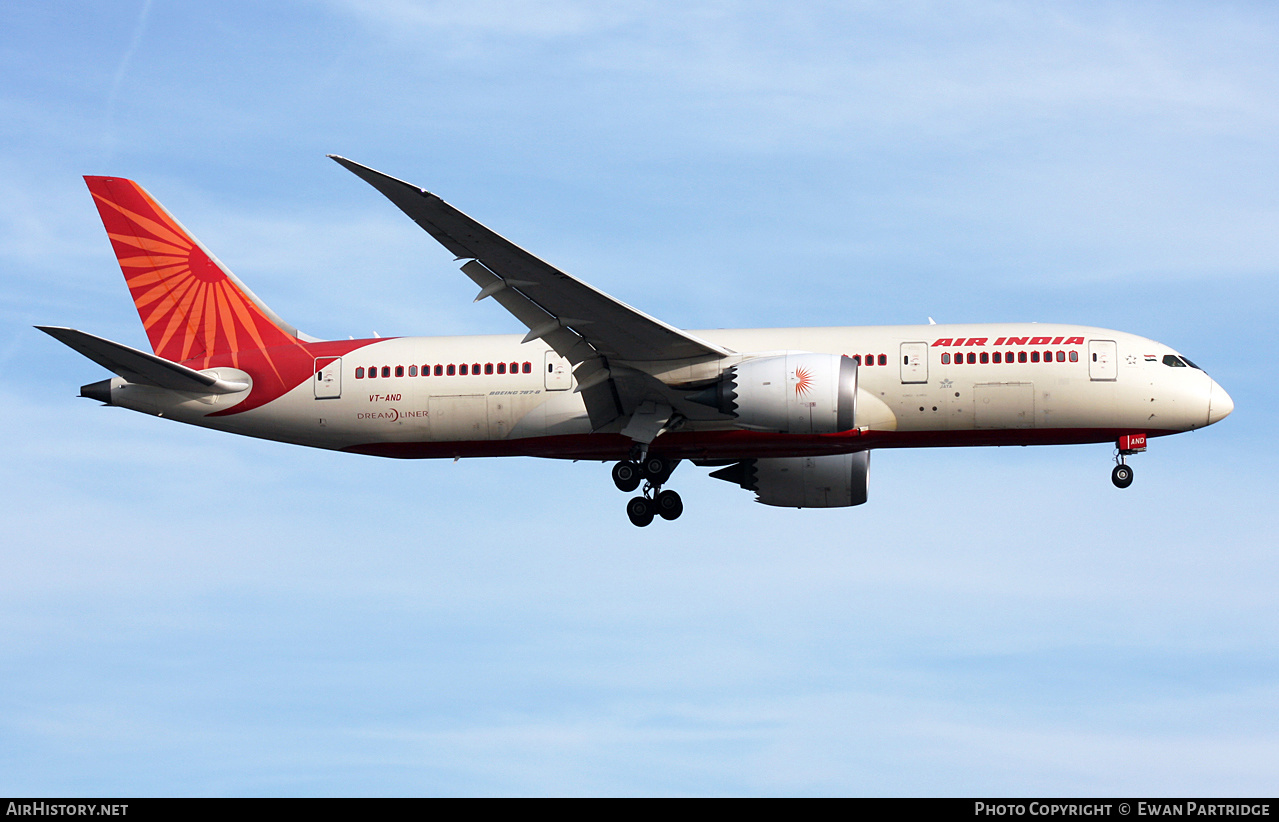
791, 414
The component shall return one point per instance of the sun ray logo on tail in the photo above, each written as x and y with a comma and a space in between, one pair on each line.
191, 308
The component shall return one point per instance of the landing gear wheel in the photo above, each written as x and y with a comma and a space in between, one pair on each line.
1121, 476
640, 510
669, 505
657, 469
626, 476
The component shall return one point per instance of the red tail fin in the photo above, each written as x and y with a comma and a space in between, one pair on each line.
191, 307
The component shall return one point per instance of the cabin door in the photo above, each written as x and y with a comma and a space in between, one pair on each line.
1102, 360
328, 378
914, 362
558, 374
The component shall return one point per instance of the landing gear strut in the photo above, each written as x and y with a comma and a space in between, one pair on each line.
652, 471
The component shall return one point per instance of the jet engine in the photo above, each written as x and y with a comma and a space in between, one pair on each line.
792, 393
835, 481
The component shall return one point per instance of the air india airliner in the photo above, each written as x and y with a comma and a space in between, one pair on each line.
791, 414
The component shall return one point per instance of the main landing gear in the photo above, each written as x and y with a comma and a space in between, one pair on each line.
652, 471
1128, 445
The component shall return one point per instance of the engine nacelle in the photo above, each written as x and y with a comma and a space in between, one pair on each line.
835, 481
792, 393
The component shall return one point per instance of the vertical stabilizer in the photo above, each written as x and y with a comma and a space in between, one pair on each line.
191, 306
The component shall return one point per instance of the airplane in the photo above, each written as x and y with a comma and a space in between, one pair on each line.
790, 414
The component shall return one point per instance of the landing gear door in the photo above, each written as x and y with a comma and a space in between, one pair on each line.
328, 378
914, 362
1102, 360
559, 376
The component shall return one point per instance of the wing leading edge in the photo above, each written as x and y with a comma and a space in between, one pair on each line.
616, 350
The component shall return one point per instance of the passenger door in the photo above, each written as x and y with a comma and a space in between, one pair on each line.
914, 363
328, 378
558, 374
1102, 360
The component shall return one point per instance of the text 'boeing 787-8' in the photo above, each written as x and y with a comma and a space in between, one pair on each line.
788, 413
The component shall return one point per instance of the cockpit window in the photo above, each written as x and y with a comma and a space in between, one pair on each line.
1192, 365
1174, 361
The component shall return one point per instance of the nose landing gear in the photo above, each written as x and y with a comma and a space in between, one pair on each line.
652, 471
1127, 445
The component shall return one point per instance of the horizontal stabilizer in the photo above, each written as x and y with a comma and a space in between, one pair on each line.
140, 367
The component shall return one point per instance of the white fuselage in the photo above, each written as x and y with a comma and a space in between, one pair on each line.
917, 386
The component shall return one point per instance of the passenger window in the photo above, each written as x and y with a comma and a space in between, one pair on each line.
945, 359
488, 368
412, 370
399, 371
883, 359
972, 358
439, 371
1061, 356
1074, 356
528, 368
1021, 356
359, 373
372, 371
501, 368
386, 371
453, 369
515, 368
462, 369
1034, 356
985, 358
997, 357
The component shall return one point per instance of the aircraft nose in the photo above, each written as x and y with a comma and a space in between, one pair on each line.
1219, 403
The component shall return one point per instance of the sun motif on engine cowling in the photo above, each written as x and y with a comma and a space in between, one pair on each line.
803, 381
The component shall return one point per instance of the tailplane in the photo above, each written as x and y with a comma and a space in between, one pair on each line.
191, 306
141, 368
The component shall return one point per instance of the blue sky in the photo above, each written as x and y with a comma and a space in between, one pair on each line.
188, 613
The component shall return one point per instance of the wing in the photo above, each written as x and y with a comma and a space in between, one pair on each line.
619, 353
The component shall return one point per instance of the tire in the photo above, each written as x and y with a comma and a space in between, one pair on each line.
1121, 476
640, 511
657, 470
626, 476
669, 505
